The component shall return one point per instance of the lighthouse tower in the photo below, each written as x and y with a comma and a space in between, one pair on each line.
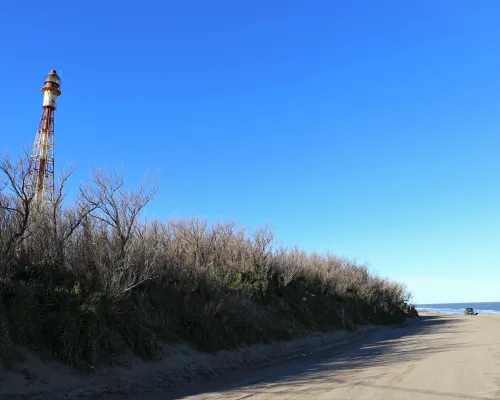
41, 164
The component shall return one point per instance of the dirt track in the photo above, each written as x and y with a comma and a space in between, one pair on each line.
441, 357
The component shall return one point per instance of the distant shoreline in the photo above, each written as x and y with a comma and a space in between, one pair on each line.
459, 308
443, 314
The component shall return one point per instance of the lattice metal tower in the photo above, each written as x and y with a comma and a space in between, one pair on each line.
41, 164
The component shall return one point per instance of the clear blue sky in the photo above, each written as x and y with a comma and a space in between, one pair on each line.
369, 128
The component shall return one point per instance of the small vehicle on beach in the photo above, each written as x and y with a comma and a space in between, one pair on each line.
470, 311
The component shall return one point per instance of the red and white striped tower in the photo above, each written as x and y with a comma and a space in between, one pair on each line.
41, 165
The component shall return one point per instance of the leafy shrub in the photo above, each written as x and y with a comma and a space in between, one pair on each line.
47, 308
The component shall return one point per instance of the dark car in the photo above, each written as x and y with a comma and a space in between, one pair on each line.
470, 311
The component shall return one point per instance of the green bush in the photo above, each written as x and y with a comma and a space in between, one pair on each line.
47, 308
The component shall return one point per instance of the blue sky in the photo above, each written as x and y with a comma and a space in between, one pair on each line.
371, 129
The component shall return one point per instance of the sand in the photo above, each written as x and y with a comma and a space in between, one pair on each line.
442, 357
437, 357
181, 366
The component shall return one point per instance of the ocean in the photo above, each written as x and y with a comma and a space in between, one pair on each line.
459, 308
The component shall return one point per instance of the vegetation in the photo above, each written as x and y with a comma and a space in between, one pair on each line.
89, 278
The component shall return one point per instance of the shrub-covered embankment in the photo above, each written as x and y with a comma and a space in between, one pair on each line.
88, 279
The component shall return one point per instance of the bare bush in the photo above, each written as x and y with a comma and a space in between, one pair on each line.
100, 234
289, 264
101, 245
15, 207
116, 213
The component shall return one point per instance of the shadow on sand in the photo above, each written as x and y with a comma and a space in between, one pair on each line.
379, 349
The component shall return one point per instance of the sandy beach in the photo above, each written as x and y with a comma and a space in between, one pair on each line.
442, 357
435, 357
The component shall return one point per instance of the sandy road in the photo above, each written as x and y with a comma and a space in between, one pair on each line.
441, 357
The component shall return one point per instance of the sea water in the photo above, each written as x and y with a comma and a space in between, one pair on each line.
459, 308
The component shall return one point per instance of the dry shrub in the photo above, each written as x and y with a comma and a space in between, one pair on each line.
98, 278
